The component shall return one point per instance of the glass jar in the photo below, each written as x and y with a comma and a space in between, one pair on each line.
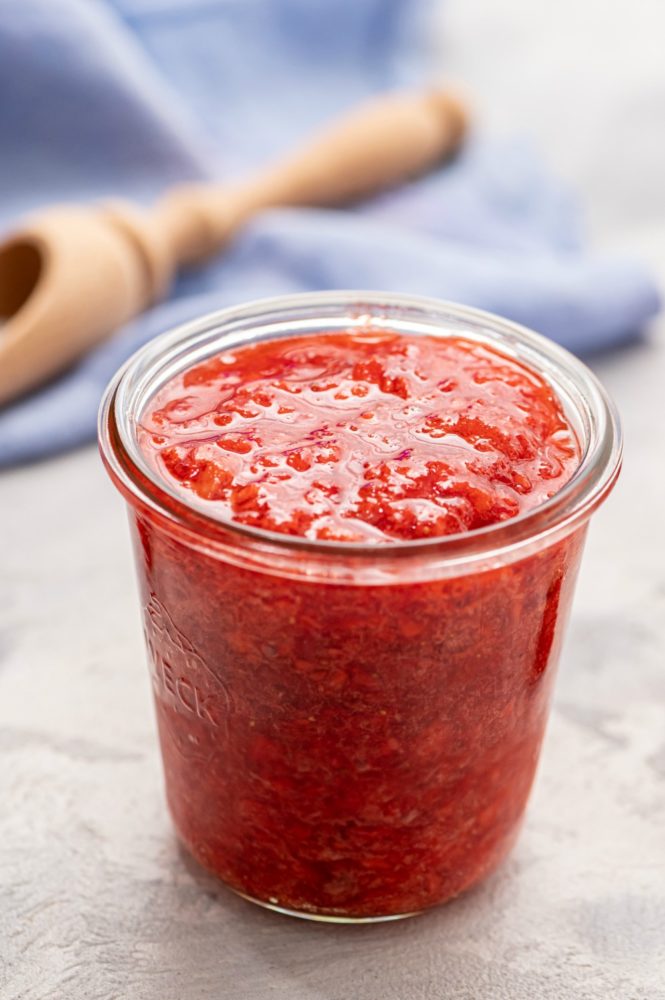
349, 731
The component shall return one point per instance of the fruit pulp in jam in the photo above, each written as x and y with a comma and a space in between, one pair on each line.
346, 747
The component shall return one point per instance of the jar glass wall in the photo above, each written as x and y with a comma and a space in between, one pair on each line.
351, 731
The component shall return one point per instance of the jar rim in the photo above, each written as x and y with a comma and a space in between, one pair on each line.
586, 402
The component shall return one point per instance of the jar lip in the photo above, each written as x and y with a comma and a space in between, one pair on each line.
187, 343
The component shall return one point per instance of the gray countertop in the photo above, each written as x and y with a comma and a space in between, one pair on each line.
98, 903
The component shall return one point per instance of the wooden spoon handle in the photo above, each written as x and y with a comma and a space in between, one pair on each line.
379, 145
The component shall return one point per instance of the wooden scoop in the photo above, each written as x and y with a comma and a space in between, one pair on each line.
73, 274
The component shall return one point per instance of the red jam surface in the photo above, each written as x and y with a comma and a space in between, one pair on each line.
354, 748
366, 438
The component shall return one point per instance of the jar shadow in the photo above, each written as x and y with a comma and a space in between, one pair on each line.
283, 956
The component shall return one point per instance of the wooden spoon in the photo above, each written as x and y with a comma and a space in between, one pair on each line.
73, 274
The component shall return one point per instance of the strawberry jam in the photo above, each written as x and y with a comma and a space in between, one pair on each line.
356, 551
358, 438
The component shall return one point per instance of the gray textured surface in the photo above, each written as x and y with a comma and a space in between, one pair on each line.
96, 901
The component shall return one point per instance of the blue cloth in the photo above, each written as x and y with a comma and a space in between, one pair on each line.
124, 97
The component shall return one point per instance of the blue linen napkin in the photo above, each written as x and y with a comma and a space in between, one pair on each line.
124, 97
